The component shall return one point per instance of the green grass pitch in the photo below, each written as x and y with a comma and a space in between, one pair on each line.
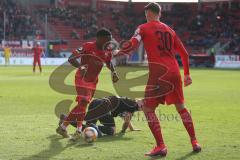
28, 120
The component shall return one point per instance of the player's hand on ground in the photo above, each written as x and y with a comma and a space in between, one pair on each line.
115, 77
187, 80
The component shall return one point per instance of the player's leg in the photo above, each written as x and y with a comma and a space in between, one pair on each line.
98, 110
85, 94
39, 65
73, 117
65, 121
108, 124
80, 115
176, 97
188, 124
63, 117
154, 125
93, 121
6, 61
34, 64
187, 120
102, 129
93, 114
110, 131
151, 102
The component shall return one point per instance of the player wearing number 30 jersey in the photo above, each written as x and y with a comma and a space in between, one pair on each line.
164, 84
161, 43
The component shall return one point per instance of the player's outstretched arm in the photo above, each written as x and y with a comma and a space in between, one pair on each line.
127, 118
185, 60
127, 47
111, 67
132, 128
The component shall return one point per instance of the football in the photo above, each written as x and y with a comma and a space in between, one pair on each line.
90, 134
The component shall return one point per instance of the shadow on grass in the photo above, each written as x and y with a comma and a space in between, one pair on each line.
105, 139
54, 149
186, 156
116, 137
157, 157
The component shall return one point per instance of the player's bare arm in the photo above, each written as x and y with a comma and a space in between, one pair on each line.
128, 46
111, 67
185, 60
127, 118
73, 60
132, 128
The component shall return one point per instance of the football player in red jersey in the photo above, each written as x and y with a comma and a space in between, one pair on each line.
164, 84
92, 58
37, 51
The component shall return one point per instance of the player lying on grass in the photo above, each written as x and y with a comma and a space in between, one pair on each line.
164, 84
89, 59
105, 110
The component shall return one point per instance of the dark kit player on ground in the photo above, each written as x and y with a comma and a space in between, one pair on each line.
105, 110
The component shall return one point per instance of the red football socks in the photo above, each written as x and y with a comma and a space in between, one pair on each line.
188, 123
77, 113
81, 116
154, 126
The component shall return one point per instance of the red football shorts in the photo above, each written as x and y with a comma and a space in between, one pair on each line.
167, 89
85, 90
36, 60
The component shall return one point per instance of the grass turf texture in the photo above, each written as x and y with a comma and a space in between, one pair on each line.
28, 120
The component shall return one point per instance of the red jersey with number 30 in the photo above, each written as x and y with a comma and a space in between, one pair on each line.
161, 44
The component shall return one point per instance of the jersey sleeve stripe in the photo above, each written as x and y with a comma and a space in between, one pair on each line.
138, 37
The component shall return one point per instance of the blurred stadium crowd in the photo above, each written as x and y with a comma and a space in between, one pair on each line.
200, 27
19, 23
